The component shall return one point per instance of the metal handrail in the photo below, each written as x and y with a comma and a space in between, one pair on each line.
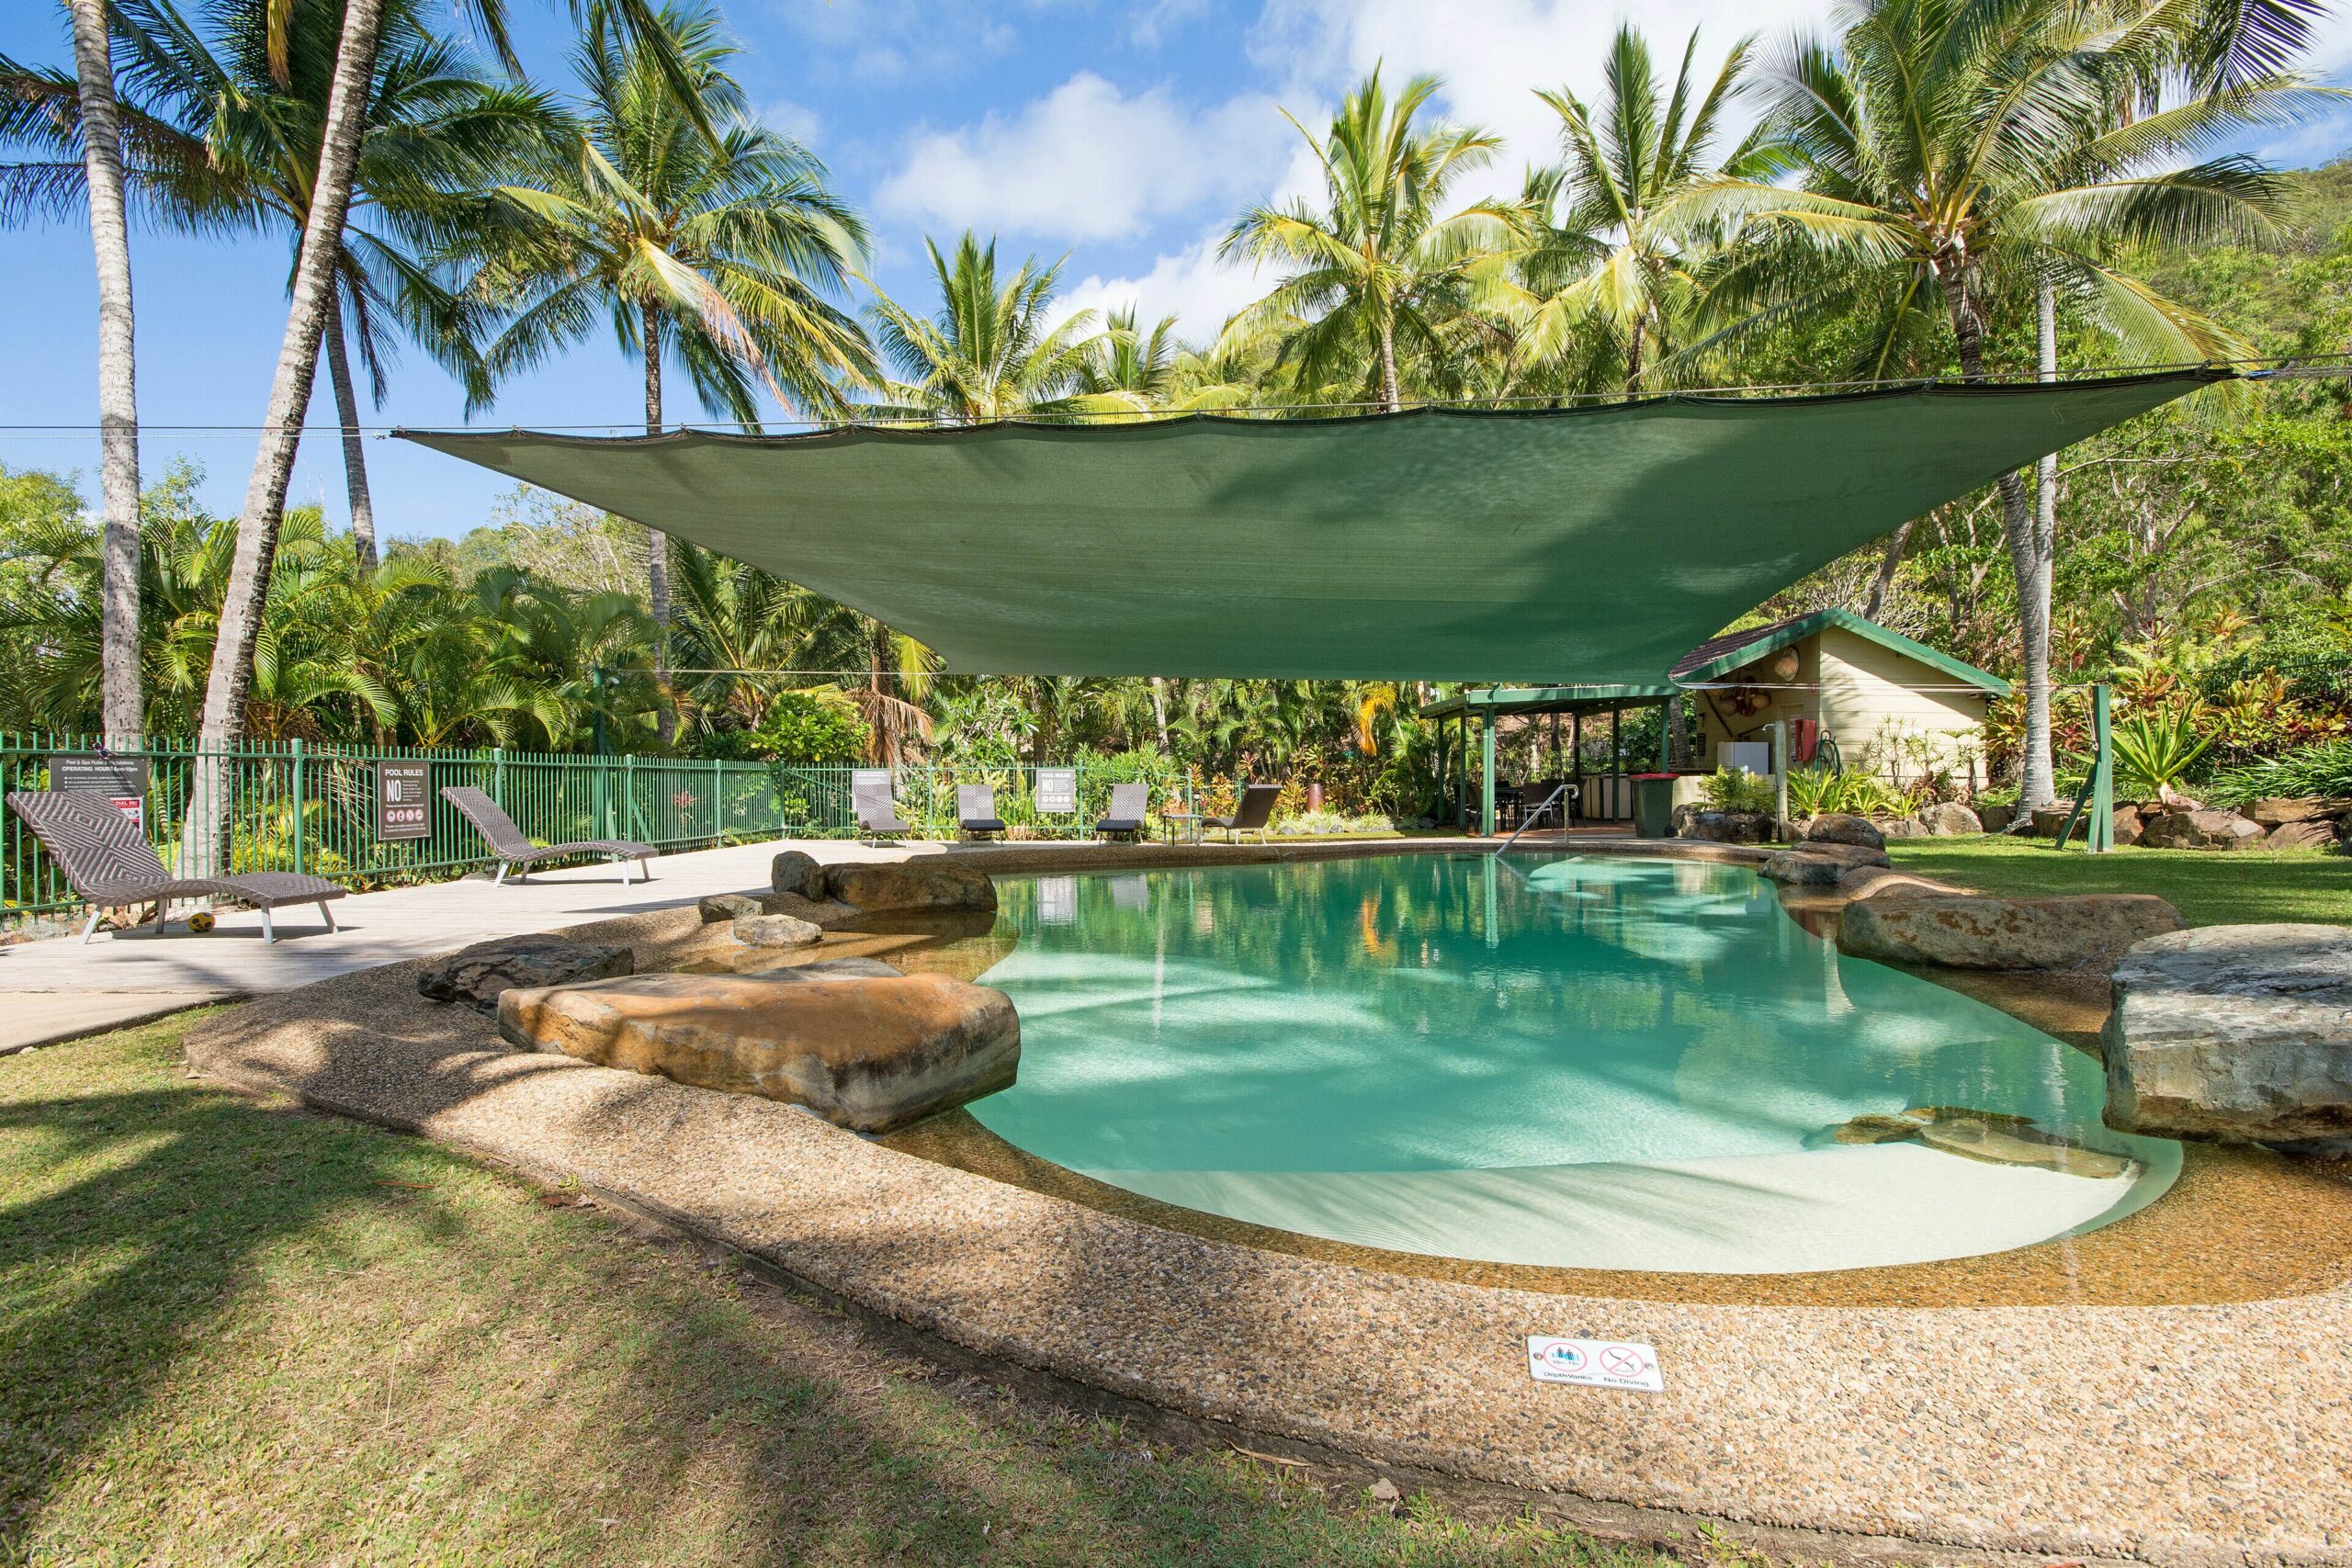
1530, 818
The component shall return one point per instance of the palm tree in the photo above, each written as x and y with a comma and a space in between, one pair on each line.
993, 352
1956, 154
1630, 202
435, 126
719, 250
1377, 269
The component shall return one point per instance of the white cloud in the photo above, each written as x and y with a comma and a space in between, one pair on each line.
798, 121
1086, 162
1190, 283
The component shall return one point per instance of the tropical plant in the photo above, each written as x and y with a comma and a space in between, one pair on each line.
719, 249
2323, 770
1957, 156
801, 728
1379, 274
1814, 792
993, 351
1728, 789
2155, 750
1626, 211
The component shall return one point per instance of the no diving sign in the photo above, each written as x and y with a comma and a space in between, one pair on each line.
1594, 1363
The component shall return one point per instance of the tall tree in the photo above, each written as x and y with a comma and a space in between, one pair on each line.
719, 251
1379, 270
995, 349
1626, 208
1955, 153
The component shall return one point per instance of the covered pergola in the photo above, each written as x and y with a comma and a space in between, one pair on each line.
1482, 707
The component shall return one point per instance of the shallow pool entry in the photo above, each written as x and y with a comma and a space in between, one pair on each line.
1583, 1062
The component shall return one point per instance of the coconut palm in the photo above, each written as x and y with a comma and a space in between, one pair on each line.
1626, 208
1377, 272
716, 250
998, 351
1956, 154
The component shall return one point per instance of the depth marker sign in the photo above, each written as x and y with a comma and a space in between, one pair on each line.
1595, 1363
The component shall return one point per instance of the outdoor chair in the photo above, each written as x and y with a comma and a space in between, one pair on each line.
975, 810
1257, 809
517, 852
869, 796
1130, 803
106, 859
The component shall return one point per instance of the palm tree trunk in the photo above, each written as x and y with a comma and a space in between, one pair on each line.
355, 458
2030, 561
223, 722
123, 717
1159, 708
657, 543
1888, 561
877, 684
1389, 398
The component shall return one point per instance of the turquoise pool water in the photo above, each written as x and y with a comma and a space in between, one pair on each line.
1583, 1062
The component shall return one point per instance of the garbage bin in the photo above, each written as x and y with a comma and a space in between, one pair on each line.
1653, 805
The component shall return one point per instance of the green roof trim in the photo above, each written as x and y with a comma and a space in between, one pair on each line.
1500, 700
1439, 544
1772, 640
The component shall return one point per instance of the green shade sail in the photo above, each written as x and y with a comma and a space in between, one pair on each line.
1598, 543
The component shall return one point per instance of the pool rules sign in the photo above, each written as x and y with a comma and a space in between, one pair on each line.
402, 809
1595, 1363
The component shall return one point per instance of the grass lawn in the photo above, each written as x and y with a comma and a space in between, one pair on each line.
230, 1333
2209, 887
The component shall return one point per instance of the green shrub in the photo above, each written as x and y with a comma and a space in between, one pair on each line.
1725, 790
1816, 792
2324, 769
2155, 750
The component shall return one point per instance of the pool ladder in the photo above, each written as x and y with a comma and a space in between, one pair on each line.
1530, 818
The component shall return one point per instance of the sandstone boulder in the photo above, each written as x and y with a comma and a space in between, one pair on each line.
2306, 835
2242, 1034
2128, 821
828, 914
717, 907
1728, 826
1838, 828
1997, 818
2049, 820
912, 885
1901, 828
2202, 830
1950, 819
776, 930
1794, 868
795, 871
478, 975
1966, 930
2278, 811
869, 1054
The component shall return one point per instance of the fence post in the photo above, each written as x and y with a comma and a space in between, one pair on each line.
718, 801
628, 795
301, 757
498, 775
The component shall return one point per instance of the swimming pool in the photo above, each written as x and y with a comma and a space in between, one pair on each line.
1634, 1063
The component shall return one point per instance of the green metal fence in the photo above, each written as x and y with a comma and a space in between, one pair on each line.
291, 806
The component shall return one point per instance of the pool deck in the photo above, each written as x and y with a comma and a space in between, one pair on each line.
60, 988
2187, 1435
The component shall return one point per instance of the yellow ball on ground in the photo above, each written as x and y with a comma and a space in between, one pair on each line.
199, 922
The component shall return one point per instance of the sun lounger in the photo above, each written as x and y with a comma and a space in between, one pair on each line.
975, 810
516, 851
869, 796
1257, 809
107, 859
1130, 803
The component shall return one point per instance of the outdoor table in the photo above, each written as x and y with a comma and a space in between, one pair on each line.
1191, 826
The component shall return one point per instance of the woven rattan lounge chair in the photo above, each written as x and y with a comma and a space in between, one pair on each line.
518, 854
1257, 809
869, 796
975, 810
107, 859
1129, 805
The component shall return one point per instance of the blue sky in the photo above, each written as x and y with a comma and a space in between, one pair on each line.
1124, 135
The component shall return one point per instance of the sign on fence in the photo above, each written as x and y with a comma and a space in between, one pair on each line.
1056, 790
122, 780
403, 804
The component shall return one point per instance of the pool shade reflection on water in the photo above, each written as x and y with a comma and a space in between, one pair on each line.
1633, 1064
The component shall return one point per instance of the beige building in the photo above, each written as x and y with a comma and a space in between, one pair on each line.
1871, 699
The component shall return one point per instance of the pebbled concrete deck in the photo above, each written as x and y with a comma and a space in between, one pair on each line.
2176, 1435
